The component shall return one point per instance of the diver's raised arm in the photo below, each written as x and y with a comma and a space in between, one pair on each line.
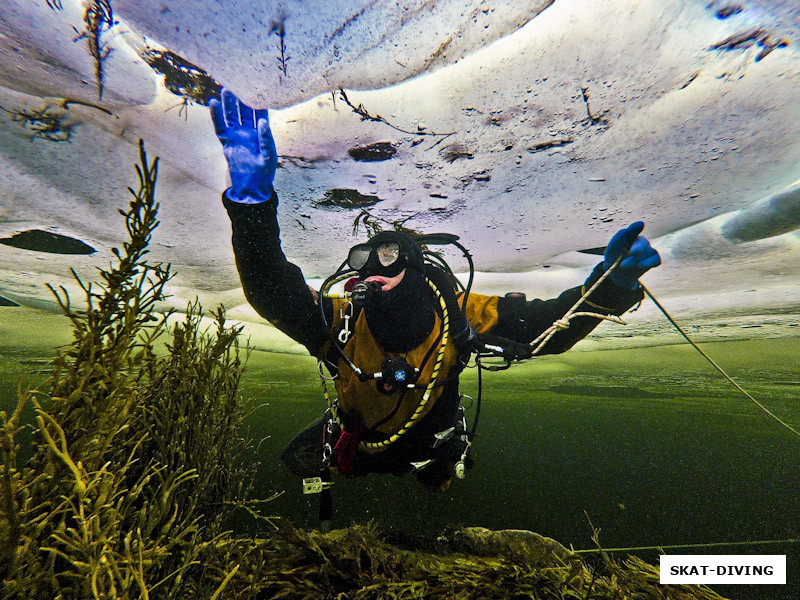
273, 286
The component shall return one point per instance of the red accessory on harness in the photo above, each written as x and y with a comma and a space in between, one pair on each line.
344, 452
348, 285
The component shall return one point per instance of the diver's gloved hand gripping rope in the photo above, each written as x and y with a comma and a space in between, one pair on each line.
248, 146
640, 256
627, 257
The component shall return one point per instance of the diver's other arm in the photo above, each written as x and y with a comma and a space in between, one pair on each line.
273, 286
524, 321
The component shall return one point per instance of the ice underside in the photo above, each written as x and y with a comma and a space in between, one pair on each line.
532, 130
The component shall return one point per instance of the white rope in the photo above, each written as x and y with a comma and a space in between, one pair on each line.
715, 365
564, 322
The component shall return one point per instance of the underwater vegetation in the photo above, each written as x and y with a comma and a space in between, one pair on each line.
373, 224
47, 123
139, 458
365, 115
136, 457
181, 77
98, 18
52, 121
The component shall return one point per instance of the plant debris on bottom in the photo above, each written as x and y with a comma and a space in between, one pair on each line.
361, 562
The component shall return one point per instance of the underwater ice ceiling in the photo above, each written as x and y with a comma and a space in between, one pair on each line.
533, 130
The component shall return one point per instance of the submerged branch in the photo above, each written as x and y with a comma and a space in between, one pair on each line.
366, 116
98, 18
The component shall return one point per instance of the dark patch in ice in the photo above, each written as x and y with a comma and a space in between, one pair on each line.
545, 145
37, 362
373, 152
688, 82
42, 366
45, 241
453, 152
729, 11
743, 39
750, 37
301, 162
6, 302
600, 251
346, 198
769, 44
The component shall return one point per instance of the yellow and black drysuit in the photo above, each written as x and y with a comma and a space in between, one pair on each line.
277, 290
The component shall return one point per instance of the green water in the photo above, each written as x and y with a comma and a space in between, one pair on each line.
652, 444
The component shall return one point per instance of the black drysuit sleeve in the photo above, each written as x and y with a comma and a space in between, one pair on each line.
523, 321
273, 286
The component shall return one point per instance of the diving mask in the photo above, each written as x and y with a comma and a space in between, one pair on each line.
386, 253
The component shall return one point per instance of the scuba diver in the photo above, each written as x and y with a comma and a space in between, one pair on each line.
394, 340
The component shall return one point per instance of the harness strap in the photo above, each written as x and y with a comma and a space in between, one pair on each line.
336, 345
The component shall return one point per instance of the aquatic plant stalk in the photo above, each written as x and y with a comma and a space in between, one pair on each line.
138, 457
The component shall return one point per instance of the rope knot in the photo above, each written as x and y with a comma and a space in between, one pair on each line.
561, 324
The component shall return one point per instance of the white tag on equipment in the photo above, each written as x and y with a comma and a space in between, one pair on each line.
314, 485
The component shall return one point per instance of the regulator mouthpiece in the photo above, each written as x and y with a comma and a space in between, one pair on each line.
362, 291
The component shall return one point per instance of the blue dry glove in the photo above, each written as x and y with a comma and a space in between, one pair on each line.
641, 256
248, 146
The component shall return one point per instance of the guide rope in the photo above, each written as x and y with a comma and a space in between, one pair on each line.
685, 546
563, 323
715, 365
